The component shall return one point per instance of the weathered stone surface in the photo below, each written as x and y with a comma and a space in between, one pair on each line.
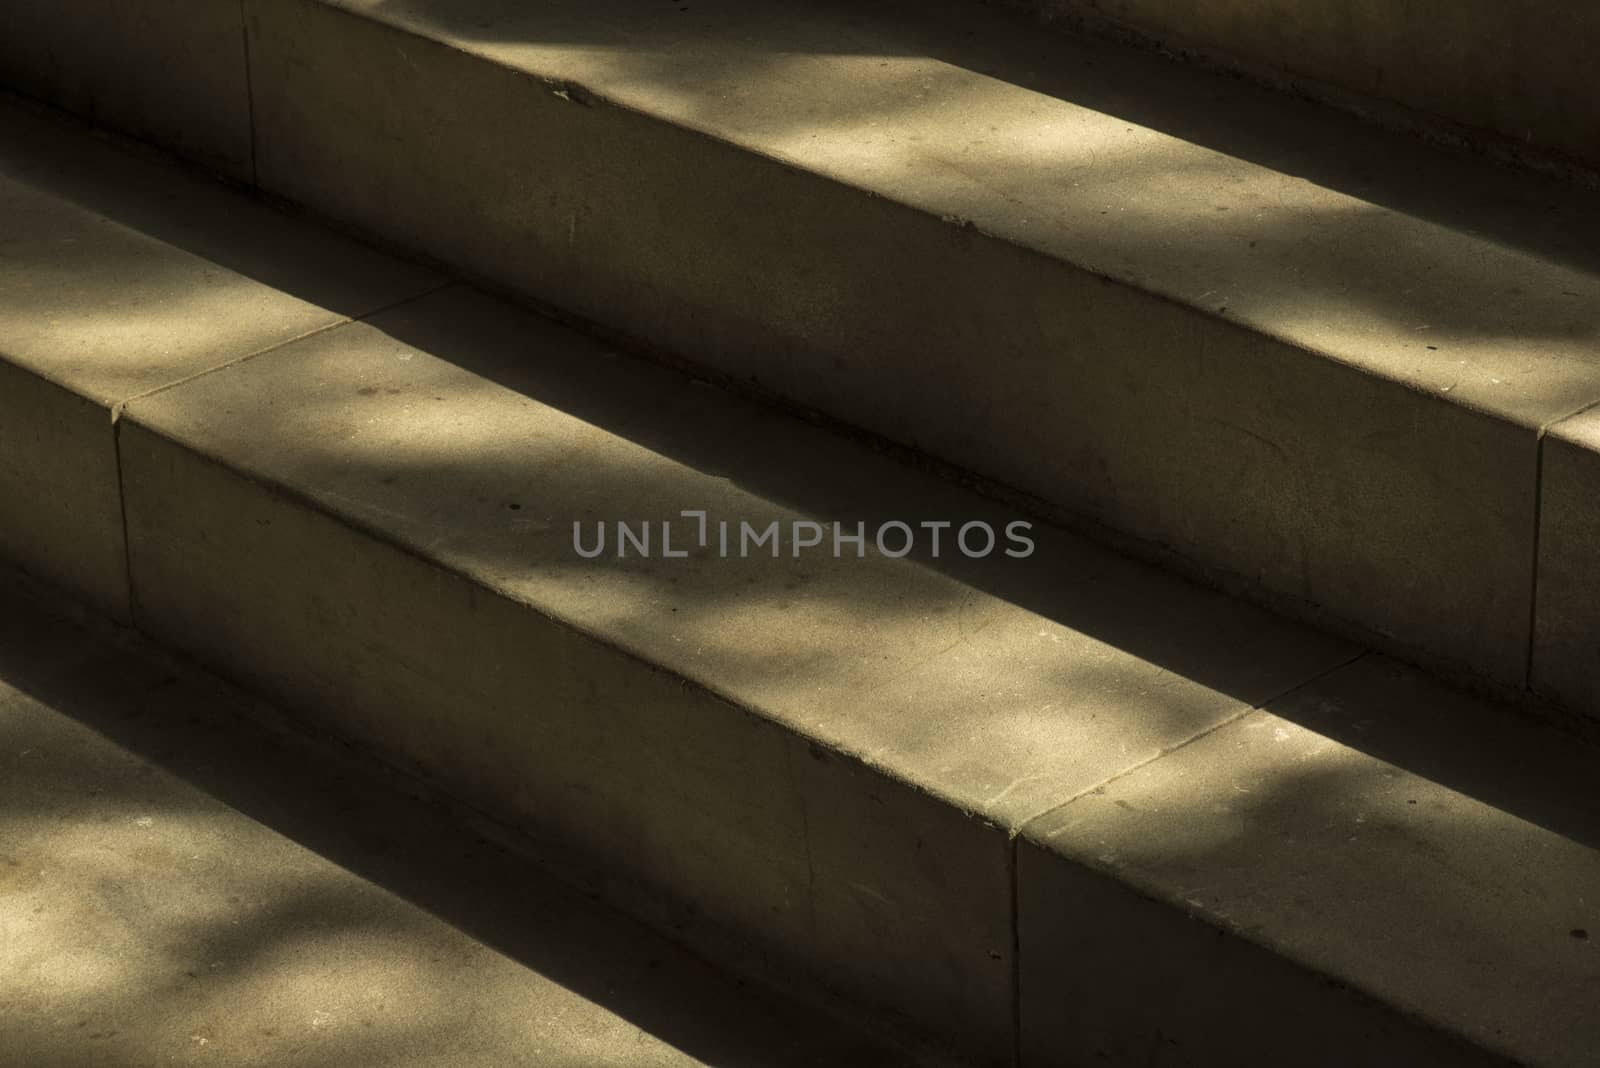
823, 756
181, 886
1376, 870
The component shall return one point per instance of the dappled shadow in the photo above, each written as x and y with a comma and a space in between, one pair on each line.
144, 191
1285, 212
703, 50
121, 273
477, 436
499, 499
150, 922
470, 435
689, 439
1266, 860
1225, 423
1492, 754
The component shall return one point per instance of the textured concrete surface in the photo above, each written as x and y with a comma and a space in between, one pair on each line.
171, 71
1499, 75
1566, 651
120, 275
181, 886
822, 754
812, 766
1371, 865
1276, 342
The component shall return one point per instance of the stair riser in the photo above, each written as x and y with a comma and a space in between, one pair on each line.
59, 496
171, 71
1115, 978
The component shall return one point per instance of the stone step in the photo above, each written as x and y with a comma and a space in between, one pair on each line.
1310, 361
1048, 801
181, 885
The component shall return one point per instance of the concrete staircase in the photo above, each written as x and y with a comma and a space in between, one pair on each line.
1306, 359
1061, 806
